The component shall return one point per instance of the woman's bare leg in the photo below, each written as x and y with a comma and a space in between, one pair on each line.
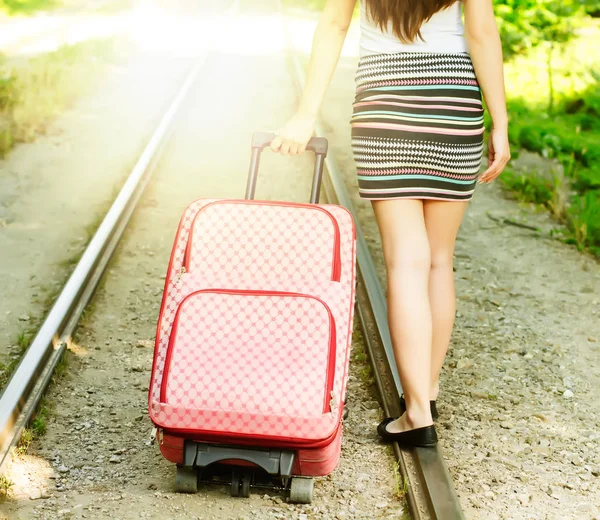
406, 251
442, 220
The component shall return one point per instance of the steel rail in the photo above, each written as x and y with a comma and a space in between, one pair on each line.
24, 390
431, 493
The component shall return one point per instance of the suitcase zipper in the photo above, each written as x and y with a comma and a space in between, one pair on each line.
336, 271
332, 337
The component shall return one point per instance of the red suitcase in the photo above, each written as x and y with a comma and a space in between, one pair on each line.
253, 339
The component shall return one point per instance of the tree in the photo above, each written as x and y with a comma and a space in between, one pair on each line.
525, 24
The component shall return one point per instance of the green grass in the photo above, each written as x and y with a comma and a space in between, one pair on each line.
401, 484
32, 94
39, 423
26, 6
569, 132
24, 441
5, 487
360, 360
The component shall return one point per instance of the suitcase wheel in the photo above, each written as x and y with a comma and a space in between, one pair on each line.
240, 483
301, 490
186, 480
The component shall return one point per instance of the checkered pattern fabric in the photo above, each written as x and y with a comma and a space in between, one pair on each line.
255, 325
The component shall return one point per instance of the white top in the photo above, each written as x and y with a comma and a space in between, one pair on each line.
444, 32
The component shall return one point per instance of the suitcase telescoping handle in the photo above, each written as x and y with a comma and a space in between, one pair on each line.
260, 140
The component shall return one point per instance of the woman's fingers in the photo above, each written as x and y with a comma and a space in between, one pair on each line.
276, 143
287, 146
294, 136
495, 169
498, 155
490, 152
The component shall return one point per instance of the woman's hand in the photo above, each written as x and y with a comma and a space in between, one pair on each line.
294, 136
498, 155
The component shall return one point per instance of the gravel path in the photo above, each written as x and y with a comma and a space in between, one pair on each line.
53, 191
95, 461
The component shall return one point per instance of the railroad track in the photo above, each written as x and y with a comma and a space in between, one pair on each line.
430, 491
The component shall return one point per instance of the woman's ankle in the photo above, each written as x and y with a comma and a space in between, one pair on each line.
435, 391
419, 415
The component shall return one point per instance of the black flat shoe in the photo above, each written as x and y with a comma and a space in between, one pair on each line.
425, 437
434, 411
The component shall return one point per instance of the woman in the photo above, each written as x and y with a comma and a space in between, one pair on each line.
417, 138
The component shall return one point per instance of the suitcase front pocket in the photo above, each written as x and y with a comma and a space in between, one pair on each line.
256, 352
264, 239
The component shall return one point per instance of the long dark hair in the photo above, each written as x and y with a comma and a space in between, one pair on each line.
406, 16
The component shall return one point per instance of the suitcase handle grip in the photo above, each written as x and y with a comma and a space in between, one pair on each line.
260, 140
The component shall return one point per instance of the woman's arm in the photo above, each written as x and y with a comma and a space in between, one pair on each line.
485, 49
327, 45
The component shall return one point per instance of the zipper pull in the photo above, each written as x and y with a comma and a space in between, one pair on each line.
181, 273
333, 404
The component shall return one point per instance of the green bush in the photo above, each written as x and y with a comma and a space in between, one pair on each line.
32, 94
25, 6
529, 186
584, 220
524, 24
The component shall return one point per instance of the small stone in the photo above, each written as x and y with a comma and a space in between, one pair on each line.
584, 507
115, 459
36, 494
302, 516
592, 340
529, 355
596, 472
542, 450
507, 425
24, 317
553, 492
62, 469
523, 499
576, 460
541, 417
144, 343
567, 394
463, 363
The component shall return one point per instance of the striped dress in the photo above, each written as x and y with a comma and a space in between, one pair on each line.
417, 126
